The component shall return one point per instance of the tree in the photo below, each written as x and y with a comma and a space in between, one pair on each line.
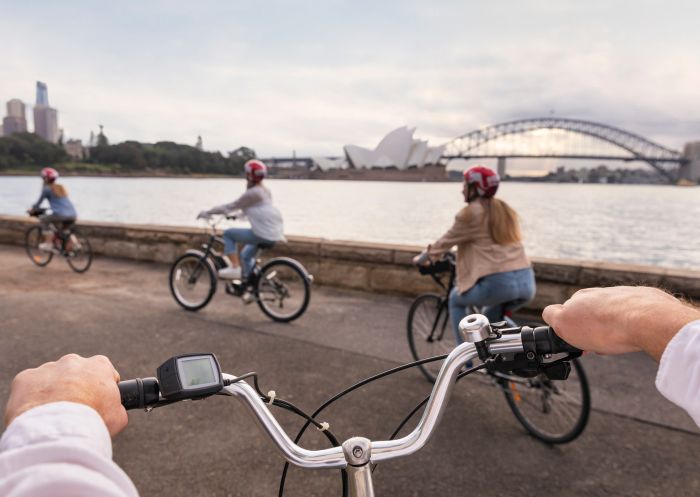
28, 149
237, 158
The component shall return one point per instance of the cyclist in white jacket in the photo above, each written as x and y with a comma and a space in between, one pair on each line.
266, 225
57, 441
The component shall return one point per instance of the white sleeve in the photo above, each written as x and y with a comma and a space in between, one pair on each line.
249, 198
62, 449
678, 378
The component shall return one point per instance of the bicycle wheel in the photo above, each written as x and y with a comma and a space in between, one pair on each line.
282, 290
429, 332
553, 411
79, 257
192, 281
32, 238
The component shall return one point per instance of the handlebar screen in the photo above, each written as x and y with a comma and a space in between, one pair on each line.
197, 372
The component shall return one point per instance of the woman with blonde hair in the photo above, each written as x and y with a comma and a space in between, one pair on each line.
492, 268
62, 210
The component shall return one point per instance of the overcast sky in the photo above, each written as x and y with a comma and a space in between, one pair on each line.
313, 76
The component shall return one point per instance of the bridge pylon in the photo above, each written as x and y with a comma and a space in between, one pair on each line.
501, 167
690, 169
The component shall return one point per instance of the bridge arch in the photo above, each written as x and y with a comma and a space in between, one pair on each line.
635, 147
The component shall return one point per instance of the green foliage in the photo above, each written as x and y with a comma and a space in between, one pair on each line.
170, 157
27, 150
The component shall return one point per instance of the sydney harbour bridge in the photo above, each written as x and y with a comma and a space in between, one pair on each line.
559, 138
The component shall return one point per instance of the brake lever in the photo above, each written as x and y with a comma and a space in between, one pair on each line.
522, 365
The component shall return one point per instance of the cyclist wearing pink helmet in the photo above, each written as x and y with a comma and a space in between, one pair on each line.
492, 268
266, 225
62, 210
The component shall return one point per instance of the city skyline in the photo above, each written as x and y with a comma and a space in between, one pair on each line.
45, 122
314, 78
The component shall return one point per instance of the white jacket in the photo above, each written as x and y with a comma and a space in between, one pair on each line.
60, 449
256, 204
678, 378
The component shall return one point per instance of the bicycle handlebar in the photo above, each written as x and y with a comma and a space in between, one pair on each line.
139, 393
144, 393
544, 340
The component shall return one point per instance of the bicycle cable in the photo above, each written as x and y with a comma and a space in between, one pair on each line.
284, 404
425, 401
342, 394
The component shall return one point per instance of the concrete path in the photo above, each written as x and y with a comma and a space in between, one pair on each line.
636, 442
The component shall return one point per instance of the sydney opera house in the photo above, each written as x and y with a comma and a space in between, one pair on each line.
398, 151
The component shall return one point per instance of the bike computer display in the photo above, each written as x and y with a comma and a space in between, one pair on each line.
189, 376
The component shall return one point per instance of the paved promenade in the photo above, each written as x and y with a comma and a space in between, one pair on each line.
636, 443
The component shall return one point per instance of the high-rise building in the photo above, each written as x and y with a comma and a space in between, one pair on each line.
15, 108
15, 121
45, 117
42, 94
46, 123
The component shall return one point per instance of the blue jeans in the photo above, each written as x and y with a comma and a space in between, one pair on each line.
513, 288
249, 240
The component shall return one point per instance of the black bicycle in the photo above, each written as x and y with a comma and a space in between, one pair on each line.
552, 411
281, 286
66, 241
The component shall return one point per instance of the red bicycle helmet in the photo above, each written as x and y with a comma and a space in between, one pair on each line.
49, 174
255, 170
485, 179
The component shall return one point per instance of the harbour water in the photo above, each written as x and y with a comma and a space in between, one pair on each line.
636, 224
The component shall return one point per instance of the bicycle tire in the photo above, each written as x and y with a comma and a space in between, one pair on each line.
32, 238
184, 267
85, 250
280, 280
429, 332
544, 421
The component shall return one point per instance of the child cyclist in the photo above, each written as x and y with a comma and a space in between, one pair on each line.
62, 210
265, 223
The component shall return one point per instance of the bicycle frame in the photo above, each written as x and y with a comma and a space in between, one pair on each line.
210, 255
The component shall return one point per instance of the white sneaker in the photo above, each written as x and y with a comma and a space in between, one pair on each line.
230, 273
248, 297
46, 246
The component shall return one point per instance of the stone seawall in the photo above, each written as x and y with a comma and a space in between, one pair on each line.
372, 267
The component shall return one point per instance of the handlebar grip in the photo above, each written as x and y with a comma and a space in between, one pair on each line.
139, 393
544, 340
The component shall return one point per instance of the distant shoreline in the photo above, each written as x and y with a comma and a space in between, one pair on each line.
120, 175
141, 174
370, 178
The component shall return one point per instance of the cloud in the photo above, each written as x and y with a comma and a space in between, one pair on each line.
314, 79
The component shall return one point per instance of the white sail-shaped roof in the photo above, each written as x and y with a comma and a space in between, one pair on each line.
397, 149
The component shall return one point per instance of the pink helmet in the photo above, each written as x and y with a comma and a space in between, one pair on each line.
49, 174
255, 170
485, 179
